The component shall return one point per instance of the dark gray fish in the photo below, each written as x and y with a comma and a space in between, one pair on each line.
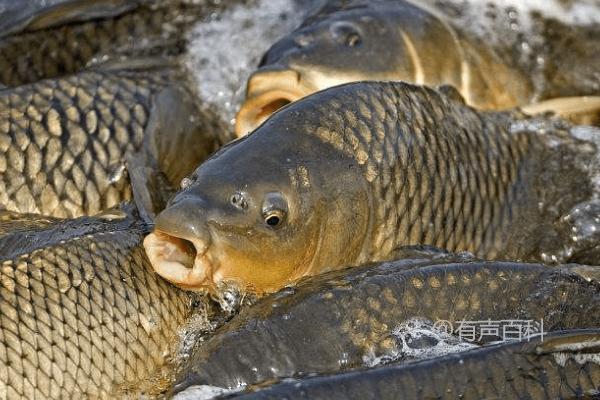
65, 38
65, 141
562, 365
81, 310
350, 174
338, 321
347, 41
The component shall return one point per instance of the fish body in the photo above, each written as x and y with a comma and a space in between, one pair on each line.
379, 40
39, 14
351, 174
82, 311
65, 141
559, 365
65, 38
340, 320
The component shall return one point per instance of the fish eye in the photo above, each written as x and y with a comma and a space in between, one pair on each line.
346, 33
274, 209
238, 201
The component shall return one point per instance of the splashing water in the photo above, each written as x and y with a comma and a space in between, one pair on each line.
224, 51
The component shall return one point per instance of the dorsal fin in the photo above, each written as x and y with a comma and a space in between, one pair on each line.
452, 93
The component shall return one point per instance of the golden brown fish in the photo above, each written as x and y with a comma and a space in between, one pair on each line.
350, 174
357, 40
64, 142
81, 309
50, 40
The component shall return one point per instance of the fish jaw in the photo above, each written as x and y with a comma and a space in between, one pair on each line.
183, 262
268, 90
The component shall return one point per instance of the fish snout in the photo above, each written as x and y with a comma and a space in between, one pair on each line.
285, 48
178, 249
269, 89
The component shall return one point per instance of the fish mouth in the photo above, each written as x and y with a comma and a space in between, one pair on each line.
268, 90
183, 262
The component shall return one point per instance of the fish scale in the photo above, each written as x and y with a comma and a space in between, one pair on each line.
551, 367
420, 168
413, 157
65, 137
81, 309
30, 56
349, 316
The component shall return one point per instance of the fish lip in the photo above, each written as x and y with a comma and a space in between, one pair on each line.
166, 257
268, 89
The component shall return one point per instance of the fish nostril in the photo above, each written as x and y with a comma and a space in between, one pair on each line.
302, 41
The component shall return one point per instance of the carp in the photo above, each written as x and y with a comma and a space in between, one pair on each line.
358, 40
352, 173
82, 312
340, 320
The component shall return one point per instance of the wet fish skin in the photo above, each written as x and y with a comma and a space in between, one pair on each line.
64, 141
336, 321
39, 14
380, 40
529, 369
360, 170
144, 30
82, 311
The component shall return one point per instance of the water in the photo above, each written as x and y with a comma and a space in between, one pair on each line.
224, 51
417, 339
518, 30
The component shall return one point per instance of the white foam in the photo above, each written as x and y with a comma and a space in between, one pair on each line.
194, 331
591, 134
224, 51
201, 392
411, 331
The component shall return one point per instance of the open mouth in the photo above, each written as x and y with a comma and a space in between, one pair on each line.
185, 263
268, 91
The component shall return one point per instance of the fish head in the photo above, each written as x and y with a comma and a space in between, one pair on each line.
350, 45
260, 214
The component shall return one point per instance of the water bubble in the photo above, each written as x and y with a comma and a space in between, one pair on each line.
418, 338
